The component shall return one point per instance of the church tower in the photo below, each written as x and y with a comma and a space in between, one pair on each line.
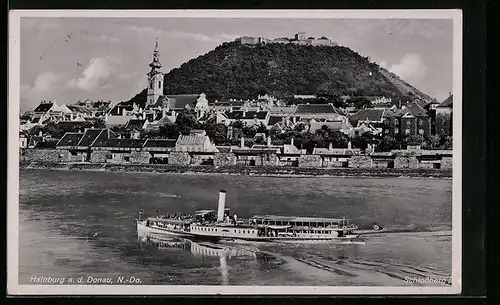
155, 78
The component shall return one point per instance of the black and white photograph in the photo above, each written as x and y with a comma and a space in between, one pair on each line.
234, 152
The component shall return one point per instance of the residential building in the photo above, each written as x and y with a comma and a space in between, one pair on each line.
382, 101
410, 120
79, 144
255, 118
281, 122
119, 150
342, 125
318, 111
196, 141
335, 157
78, 113
48, 111
443, 123
159, 149
373, 116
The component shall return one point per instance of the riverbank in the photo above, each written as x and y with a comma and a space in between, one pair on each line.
269, 171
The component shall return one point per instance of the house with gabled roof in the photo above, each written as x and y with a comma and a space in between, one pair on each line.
374, 116
341, 125
196, 141
78, 113
48, 111
409, 120
78, 145
283, 123
136, 124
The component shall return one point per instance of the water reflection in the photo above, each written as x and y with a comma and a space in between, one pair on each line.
201, 249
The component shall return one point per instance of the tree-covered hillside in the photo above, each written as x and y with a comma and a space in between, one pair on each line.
239, 71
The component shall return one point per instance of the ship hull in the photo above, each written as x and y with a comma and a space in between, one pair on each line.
143, 229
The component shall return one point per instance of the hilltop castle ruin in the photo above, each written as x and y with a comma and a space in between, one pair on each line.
299, 38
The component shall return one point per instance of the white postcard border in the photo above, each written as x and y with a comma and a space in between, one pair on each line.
13, 287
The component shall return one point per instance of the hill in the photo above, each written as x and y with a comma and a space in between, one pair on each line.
233, 70
402, 86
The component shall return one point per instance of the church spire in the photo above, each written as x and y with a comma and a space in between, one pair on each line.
155, 64
155, 78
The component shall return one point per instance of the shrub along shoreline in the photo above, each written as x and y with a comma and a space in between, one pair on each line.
270, 171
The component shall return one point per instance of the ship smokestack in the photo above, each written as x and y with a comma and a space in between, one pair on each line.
221, 206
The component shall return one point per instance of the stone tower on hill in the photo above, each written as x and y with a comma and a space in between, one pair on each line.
155, 78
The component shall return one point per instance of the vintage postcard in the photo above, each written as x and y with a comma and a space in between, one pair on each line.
235, 152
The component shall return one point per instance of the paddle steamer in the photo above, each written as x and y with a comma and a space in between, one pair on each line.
219, 225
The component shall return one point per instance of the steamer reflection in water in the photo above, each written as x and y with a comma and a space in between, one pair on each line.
202, 249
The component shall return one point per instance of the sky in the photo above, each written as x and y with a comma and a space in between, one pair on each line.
75, 58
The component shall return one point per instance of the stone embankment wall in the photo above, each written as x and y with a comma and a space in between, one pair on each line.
405, 162
333, 163
400, 161
179, 158
267, 160
224, 159
139, 157
360, 162
45, 155
99, 156
310, 161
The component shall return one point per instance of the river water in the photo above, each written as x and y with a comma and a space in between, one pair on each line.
80, 224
